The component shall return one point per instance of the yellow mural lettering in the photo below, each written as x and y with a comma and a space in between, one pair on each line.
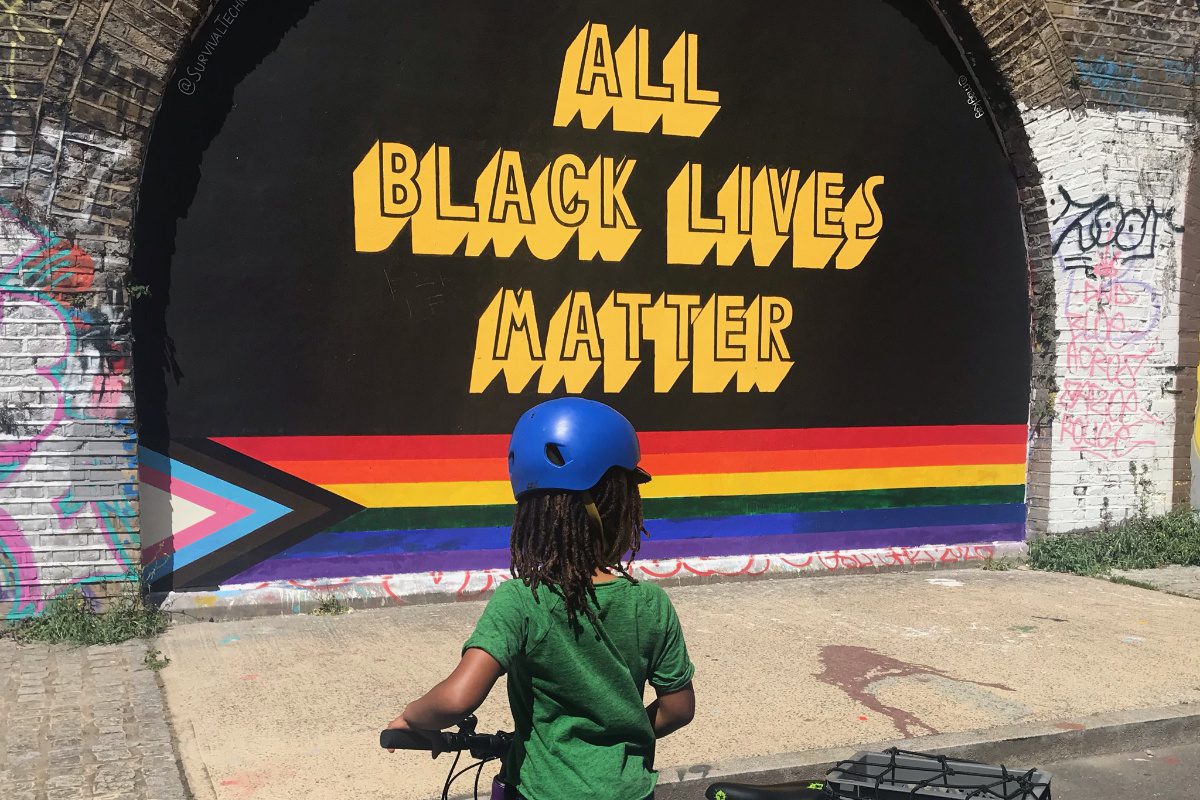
621, 318
598, 63
398, 176
771, 221
829, 204
721, 338
597, 81
439, 228
735, 206
613, 177
768, 317
690, 235
766, 209
507, 340
446, 208
718, 342
862, 223
668, 323
573, 351
500, 192
546, 202
394, 189
565, 204
811, 249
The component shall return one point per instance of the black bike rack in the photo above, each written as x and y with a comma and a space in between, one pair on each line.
897, 774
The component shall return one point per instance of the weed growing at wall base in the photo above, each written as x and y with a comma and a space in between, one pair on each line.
1140, 542
72, 619
993, 564
330, 606
1121, 579
155, 660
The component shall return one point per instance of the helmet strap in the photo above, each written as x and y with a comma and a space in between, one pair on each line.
594, 521
589, 505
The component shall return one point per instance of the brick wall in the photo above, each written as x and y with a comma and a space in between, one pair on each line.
79, 86
1187, 458
1096, 100
1103, 95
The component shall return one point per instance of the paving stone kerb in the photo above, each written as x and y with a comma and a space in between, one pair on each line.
1096, 99
84, 723
783, 666
1176, 579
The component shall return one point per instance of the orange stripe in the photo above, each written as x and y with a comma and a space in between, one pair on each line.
495, 469
415, 470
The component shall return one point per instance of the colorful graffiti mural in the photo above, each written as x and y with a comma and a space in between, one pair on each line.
715, 493
369, 590
442, 503
72, 378
790, 294
1113, 316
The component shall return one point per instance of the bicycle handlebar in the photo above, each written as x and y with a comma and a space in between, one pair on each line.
480, 745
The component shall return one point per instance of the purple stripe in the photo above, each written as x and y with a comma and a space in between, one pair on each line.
399, 563
349, 566
840, 540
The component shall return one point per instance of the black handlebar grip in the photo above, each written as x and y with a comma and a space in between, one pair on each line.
393, 739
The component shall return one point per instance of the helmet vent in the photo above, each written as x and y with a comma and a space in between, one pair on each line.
554, 455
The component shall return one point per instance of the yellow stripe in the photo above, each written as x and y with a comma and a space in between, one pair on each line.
485, 493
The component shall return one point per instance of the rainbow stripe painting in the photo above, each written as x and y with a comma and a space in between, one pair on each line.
444, 503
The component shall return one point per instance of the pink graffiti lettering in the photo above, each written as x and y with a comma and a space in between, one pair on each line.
1112, 319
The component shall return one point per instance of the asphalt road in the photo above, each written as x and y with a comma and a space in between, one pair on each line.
1167, 773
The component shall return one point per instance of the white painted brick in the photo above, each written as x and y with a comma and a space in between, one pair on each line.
1113, 359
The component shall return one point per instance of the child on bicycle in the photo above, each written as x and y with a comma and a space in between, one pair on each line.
578, 637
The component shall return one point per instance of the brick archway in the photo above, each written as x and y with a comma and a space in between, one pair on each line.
1096, 104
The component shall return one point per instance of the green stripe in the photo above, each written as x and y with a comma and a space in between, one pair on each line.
830, 501
384, 519
403, 519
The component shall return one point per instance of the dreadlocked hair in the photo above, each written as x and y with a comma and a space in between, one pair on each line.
554, 542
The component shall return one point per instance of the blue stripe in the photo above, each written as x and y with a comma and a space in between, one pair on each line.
263, 510
496, 538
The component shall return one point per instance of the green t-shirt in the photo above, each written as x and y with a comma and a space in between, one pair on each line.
581, 729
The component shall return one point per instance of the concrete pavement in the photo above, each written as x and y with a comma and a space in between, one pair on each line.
290, 707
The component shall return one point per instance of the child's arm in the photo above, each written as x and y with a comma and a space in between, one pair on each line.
454, 698
672, 710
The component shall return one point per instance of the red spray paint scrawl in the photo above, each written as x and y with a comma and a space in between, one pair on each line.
855, 670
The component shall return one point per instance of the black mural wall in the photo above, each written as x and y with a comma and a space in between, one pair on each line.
269, 323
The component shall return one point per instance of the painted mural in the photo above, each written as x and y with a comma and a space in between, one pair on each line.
373, 234
74, 381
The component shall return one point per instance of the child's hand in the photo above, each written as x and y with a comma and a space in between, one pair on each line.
401, 724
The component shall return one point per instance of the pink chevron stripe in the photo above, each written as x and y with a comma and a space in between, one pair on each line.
226, 512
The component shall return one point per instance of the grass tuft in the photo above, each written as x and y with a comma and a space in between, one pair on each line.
72, 619
1140, 542
330, 605
1121, 579
155, 660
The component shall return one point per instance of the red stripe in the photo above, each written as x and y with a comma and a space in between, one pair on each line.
378, 448
369, 448
828, 438
413, 470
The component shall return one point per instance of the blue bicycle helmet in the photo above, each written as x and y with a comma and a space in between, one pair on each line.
569, 443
